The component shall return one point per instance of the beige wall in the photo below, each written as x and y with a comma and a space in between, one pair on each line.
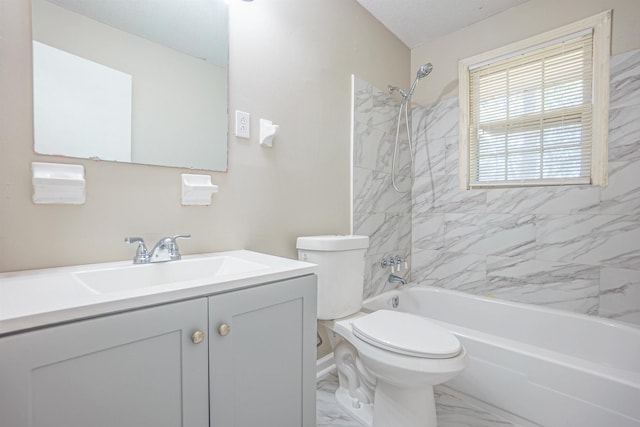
518, 23
290, 62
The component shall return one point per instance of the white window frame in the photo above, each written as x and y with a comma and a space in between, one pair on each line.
601, 26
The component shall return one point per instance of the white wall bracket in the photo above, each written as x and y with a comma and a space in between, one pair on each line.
57, 183
197, 190
267, 132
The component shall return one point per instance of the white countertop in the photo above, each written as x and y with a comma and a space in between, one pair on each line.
35, 298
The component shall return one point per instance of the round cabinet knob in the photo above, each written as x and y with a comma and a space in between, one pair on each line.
197, 337
224, 329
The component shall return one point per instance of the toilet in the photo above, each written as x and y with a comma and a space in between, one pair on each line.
387, 361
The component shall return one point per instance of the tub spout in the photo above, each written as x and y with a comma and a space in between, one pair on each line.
397, 280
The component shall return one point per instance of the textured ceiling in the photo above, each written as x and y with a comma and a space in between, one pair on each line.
420, 21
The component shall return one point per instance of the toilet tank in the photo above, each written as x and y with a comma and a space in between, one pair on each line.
340, 261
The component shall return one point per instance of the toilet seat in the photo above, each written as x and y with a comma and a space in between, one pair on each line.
407, 334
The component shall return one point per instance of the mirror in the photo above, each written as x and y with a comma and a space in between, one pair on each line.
141, 81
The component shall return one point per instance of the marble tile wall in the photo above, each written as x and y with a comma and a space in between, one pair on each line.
378, 210
574, 247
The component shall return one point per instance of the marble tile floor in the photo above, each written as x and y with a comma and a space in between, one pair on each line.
328, 412
452, 410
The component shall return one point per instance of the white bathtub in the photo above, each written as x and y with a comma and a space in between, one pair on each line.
550, 367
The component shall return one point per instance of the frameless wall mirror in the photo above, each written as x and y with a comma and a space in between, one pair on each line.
141, 81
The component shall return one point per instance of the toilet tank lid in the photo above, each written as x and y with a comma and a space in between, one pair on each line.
333, 243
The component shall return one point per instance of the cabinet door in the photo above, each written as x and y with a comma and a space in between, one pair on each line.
134, 369
263, 370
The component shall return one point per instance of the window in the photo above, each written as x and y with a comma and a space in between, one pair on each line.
536, 112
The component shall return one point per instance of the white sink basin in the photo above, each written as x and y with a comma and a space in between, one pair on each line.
33, 298
126, 278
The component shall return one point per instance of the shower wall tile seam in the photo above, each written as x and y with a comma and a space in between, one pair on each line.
594, 239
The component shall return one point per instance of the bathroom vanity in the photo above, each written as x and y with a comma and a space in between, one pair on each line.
232, 347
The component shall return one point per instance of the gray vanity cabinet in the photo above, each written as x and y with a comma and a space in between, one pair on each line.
239, 359
263, 355
138, 368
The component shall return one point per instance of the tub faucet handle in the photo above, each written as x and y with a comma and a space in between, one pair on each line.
401, 260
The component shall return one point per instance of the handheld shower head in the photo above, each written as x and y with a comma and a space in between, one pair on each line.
424, 70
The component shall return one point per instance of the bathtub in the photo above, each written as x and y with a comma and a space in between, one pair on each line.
546, 366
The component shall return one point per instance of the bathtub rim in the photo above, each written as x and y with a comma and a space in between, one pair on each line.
629, 327
624, 376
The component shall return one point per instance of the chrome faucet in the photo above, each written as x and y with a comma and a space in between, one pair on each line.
165, 250
397, 280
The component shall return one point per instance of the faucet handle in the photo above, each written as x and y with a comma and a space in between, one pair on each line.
134, 240
142, 254
172, 240
172, 245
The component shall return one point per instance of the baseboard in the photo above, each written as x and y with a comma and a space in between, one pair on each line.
324, 366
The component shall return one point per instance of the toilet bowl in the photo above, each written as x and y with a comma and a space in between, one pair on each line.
393, 373
387, 361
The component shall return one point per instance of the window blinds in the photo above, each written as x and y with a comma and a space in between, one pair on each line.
531, 114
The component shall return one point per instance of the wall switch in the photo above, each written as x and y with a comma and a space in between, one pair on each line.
243, 124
